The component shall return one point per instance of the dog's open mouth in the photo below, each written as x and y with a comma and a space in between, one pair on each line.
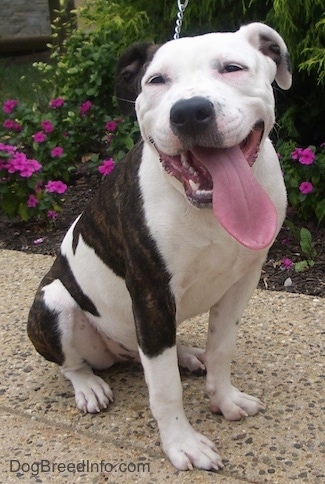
189, 169
223, 178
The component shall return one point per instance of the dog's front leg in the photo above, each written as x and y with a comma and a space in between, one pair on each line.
154, 314
221, 344
185, 447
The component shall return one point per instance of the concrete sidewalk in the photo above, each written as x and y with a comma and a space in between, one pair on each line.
280, 358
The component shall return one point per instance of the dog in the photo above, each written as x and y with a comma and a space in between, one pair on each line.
180, 227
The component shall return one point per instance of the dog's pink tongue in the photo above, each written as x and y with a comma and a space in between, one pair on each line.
241, 205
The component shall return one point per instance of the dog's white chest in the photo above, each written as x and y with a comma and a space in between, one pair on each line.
203, 260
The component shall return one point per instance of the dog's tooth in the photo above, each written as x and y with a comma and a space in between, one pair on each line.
193, 185
184, 161
203, 192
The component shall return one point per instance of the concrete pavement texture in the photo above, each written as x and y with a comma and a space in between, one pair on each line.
279, 358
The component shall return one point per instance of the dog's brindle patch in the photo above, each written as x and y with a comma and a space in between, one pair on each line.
112, 225
43, 330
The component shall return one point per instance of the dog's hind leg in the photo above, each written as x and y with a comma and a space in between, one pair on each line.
84, 349
192, 359
78, 345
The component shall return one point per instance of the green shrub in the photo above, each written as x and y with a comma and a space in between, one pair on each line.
84, 66
304, 175
39, 151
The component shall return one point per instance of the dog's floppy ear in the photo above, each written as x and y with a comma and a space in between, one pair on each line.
271, 44
129, 72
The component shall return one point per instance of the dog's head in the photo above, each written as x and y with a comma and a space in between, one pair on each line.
206, 105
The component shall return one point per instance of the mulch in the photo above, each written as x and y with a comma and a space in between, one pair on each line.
36, 238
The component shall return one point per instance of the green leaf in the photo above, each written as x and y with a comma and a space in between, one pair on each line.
301, 266
320, 210
305, 241
23, 212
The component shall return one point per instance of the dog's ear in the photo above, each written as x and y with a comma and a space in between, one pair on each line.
271, 44
130, 69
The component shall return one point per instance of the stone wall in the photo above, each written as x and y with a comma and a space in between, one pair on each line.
24, 18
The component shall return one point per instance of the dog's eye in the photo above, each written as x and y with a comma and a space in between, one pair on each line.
158, 79
232, 68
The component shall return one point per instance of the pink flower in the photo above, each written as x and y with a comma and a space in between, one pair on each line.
106, 167
307, 157
306, 187
17, 163
296, 153
286, 263
20, 163
39, 137
56, 187
32, 201
17, 127
39, 241
304, 156
9, 106
84, 108
111, 126
57, 102
30, 167
57, 152
8, 124
52, 214
47, 126
7, 148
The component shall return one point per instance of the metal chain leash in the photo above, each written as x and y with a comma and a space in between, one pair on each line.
179, 21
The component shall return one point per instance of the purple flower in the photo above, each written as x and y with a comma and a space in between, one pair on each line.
32, 201
84, 108
56, 187
304, 156
39, 241
7, 148
30, 167
8, 124
24, 166
39, 137
17, 127
47, 126
57, 152
17, 163
286, 263
9, 106
57, 102
111, 126
52, 214
306, 187
106, 167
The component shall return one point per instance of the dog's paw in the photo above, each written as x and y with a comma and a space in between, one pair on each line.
93, 394
235, 404
191, 359
193, 450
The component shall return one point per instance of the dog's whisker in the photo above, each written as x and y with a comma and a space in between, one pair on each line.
125, 100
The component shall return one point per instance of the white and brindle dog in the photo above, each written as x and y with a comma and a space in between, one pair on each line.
180, 227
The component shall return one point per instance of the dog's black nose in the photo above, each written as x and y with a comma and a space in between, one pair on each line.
191, 116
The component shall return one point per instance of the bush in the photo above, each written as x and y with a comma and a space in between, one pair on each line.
39, 151
84, 66
304, 175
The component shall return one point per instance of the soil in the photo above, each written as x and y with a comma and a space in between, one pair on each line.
37, 238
